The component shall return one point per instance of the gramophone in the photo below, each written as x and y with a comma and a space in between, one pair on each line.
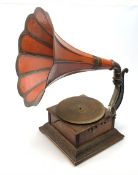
80, 126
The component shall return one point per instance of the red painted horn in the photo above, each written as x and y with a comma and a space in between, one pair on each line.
44, 56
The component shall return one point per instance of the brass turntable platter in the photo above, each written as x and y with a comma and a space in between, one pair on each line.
80, 110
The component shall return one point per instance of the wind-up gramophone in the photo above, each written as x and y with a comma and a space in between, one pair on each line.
80, 126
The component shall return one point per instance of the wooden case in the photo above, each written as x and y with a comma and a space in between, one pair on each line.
80, 142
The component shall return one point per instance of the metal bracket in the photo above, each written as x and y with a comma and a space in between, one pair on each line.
118, 93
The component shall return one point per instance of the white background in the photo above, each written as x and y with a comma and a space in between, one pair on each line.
107, 29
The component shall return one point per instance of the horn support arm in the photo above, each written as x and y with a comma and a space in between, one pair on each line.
118, 80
